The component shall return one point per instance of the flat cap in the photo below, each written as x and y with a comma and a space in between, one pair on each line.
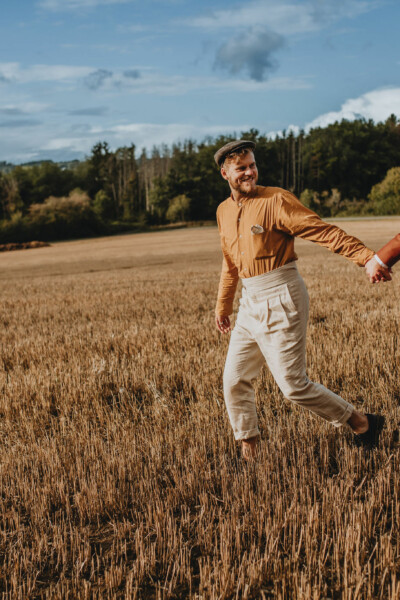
220, 154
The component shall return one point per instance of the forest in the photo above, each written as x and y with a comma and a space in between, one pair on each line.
347, 168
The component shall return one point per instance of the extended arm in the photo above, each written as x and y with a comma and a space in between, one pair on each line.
298, 220
390, 253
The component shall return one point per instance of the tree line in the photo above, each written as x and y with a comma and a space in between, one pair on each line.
335, 170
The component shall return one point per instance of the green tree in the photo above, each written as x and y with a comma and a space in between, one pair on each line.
116, 174
350, 156
385, 196
66, 217
35, 183
103, 205
178, 209
158, 198
307, 198
10, 198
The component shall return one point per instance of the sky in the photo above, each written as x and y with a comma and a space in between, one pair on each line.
151, 72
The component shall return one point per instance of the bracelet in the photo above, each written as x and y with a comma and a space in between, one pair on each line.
378, 260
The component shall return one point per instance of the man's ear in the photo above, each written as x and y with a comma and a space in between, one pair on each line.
223, 173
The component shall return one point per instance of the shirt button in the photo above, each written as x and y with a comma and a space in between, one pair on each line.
240, 204
242, 253
239, 219
245, 269
240, 235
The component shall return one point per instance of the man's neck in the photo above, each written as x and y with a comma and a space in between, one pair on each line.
235, 195
238, 196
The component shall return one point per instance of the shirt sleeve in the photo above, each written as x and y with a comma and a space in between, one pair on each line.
300, 221
227, 283
390, 253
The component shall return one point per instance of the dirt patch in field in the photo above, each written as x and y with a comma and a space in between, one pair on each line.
22, 246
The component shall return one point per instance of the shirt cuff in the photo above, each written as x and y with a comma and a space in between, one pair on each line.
378, 260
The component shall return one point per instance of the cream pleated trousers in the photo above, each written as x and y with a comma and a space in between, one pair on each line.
271, 327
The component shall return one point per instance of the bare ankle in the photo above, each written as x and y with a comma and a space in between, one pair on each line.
249, 448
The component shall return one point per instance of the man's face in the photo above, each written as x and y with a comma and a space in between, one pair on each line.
241, 173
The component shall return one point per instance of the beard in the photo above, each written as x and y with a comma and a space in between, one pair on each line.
246, 188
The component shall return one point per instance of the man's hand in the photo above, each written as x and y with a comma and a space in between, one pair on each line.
375, 271
223, 324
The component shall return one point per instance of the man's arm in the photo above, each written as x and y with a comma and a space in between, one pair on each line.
226, 289
226, 293
298, 220
390, 253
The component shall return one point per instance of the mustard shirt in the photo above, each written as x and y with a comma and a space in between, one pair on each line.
276, 217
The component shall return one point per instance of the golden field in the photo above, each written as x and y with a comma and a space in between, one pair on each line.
120, 477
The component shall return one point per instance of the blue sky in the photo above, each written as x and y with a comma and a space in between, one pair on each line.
75, 72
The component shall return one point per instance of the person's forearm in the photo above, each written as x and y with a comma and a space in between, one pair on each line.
227, 286
226, 294
389, 254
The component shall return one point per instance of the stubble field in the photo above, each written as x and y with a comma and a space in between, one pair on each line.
119, 474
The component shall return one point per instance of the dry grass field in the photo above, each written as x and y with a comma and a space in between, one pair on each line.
119, 474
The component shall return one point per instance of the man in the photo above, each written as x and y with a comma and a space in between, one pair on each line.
257, 226
379, 267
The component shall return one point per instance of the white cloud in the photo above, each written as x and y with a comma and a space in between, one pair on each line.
54, 73
377, 105
23, 108
76, 144
285, 17
73, 5
295, 129
14, 72
151, 133
80, 5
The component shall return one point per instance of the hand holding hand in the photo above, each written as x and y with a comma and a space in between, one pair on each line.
376, 273
223, 324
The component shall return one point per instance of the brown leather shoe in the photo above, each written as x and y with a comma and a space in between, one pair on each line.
370, 438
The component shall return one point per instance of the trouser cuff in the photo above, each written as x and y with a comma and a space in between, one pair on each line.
245, 435
345, 417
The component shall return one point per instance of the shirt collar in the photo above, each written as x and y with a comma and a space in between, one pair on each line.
244, 199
